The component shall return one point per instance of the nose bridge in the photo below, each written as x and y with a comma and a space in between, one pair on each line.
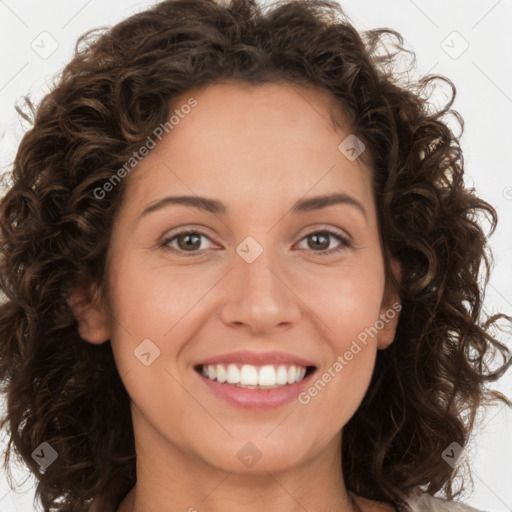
257, 268
259, 296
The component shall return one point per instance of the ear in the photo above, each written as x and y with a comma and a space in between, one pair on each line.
92, 320
390, 308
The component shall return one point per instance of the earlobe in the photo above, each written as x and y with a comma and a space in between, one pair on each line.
389, 318
91, 317
390, 310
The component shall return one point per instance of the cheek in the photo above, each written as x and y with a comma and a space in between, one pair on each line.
340, 385
349, 307
137, 314
353, 343
347, 301
156, 303
153, 298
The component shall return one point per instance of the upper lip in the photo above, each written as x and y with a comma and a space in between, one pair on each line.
257, 358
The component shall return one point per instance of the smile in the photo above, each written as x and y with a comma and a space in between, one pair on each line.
255, 377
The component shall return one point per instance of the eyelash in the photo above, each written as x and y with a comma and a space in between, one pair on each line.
345, 243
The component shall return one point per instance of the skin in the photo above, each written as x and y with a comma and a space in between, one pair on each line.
257, 149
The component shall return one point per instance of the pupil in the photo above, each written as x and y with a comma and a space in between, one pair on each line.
187, 244
324, 245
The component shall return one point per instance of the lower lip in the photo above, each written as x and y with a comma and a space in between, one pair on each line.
256, 398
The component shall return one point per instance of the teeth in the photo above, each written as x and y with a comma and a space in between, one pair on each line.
233, 374
267, 376
282, 375
292, 374
248, 375
255, 377
221, 373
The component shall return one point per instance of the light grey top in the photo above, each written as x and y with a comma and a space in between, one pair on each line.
420, 501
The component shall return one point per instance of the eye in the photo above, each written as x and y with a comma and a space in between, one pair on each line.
188, 241
320, 240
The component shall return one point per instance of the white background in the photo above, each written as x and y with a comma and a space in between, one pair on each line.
482, 75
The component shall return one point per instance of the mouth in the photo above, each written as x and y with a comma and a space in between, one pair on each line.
249, 376
255, 380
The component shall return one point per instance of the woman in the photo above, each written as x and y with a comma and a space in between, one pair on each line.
241, 272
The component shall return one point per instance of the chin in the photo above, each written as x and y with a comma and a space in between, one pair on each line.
256, 455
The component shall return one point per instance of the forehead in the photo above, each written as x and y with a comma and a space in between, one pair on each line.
251, 139
259, 111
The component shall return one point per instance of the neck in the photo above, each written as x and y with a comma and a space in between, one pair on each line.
169, 479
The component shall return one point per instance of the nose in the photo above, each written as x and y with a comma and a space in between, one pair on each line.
258, 296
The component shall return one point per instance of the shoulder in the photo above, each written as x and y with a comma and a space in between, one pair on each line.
420, 501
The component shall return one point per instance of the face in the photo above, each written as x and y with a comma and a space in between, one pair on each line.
261, 277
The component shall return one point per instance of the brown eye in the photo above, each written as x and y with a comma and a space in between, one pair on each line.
319, 242
187, 241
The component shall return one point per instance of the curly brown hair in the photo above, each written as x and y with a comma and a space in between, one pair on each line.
426, 387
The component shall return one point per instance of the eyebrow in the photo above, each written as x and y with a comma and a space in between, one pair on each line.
216, 207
